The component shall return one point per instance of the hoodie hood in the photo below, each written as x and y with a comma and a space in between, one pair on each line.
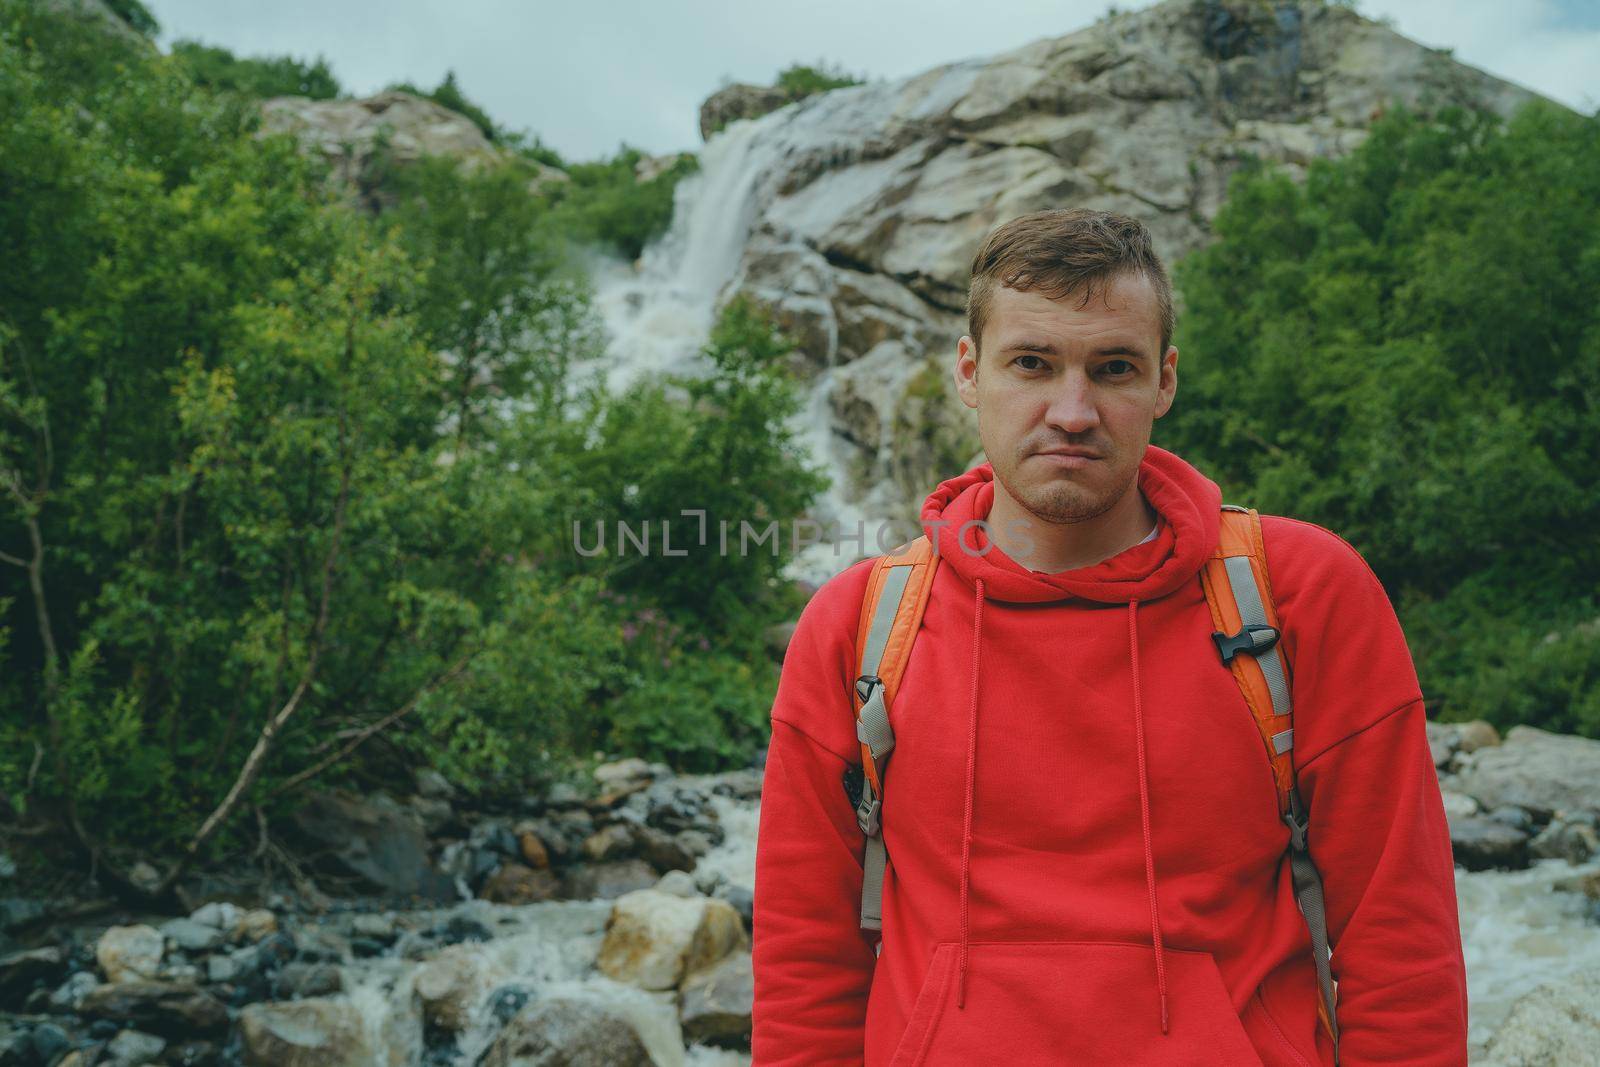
1187, 501
1188, 505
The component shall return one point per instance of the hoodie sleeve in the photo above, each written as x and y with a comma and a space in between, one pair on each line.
1377, 829
812, 962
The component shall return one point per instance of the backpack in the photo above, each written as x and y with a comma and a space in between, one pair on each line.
1240, 596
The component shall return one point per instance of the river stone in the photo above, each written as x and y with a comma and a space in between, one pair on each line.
1557, 1023
513, 883
133, 1048
191, 936
1457, 805
172, 1009
653, 939
254, 925
20, 972
127, 953
531, 846
565, 1032
304, 1033
308, 980
1574, 841
1543, 772
1481, 844
717, 1003
609, 843
373, 841
453, 983
218, 913
607, 881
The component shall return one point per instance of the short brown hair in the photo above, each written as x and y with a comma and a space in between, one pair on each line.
1062, 251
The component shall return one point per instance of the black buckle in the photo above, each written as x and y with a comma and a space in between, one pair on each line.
865, 685
1253, 640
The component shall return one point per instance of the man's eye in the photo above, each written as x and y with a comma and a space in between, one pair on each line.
1116, 363
1036, 359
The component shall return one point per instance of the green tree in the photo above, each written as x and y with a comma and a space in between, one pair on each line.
219, 69
1404, 349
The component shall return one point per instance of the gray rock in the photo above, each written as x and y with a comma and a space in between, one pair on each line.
607, 881
298, 980
565, 1032
433, 785
21, 972
717, 1002
192, 936
172, 1009
132, 1048
218, 914
378, 927
130, 952
69, 995
373, 842
304, 1033
1556, 1023
653, 939
738, 101
678, 884
1574, 841
1480, 844
1543, 772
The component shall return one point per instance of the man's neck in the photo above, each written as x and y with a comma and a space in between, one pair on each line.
1052, 547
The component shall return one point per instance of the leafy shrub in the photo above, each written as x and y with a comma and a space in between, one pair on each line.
1406, 348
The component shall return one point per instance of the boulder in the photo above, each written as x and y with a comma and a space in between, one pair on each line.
1556, 1023
372, 842
171, 1009
304, 1033
607, 881
513, 883
127, 953
738, 101
21, 972
566, 1032
1480, 843
453, 983
132, 1048
191, 936
653, 939
1542, 772
717, 1001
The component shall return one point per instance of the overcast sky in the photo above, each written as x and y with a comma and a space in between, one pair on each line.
587, 76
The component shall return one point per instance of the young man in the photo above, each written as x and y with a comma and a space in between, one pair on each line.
1086, 864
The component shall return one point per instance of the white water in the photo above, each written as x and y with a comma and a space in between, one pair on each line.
658, 313
1517, 933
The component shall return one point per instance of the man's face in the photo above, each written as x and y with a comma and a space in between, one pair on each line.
1049, 374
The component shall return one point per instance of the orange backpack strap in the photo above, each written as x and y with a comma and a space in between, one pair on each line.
1240, 594
891, 615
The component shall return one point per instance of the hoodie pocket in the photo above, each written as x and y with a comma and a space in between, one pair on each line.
1073, 1002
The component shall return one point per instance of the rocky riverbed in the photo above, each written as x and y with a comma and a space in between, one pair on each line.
614, 928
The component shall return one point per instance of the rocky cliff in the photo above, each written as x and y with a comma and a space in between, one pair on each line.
865, 205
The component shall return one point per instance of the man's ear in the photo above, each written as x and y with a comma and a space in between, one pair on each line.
1169, 381
966, 371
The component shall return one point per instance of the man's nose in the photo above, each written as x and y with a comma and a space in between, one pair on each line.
1072, 404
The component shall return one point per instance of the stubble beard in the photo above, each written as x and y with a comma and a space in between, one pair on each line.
1060, 499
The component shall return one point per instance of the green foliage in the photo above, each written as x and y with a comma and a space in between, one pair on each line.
605, 202
136, 15
275, 453
1407, 349
800, 80
260, 77
448, 94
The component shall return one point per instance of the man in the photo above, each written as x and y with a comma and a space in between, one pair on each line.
1085, 859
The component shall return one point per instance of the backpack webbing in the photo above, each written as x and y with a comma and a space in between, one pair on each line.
1240, 597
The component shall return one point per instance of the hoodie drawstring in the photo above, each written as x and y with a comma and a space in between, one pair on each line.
966, 818
1144, 804
1144, 811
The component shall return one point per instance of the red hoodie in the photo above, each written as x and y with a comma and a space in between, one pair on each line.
1086, 864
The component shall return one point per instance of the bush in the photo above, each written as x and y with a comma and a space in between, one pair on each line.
1406, 349
260, 77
